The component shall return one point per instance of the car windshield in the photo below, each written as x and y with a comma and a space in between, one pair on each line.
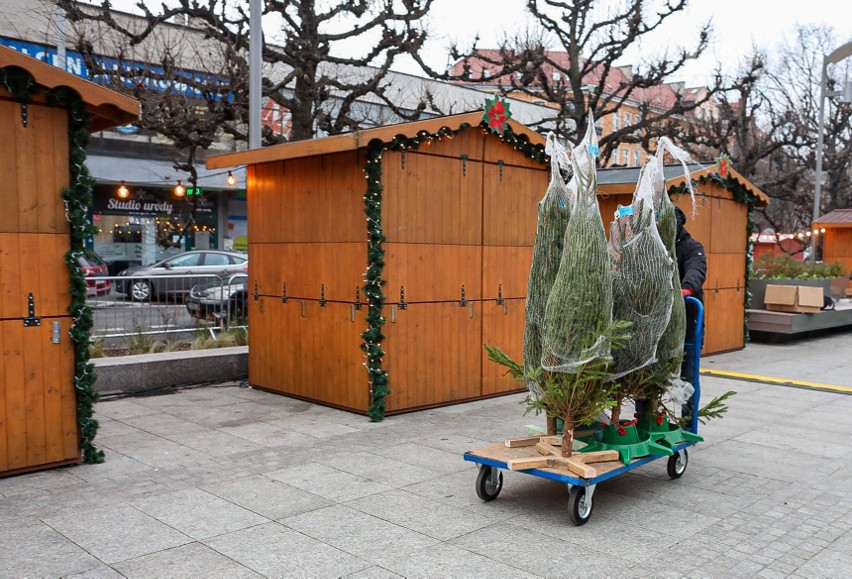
89, 259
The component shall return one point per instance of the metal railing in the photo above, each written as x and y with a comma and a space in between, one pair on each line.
175, 305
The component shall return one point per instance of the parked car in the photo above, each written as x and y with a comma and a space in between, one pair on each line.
94, 266
175, 275
215, 299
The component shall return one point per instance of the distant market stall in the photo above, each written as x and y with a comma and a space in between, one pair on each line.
720, 222
837, 239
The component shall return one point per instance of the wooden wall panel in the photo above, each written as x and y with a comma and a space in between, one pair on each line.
725, 314
306, 267
729, 228
503, 327
725, 270
308, 351
508, 267
32, 199
10, 120
38, 424
432, 273
496, 150
837, 245
432, 199
511, 203
316, 199
700, 222
467, 142
433, 355
33, 262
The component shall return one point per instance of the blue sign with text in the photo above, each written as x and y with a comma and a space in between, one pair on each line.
149, 75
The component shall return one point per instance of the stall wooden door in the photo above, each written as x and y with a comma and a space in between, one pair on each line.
38, 425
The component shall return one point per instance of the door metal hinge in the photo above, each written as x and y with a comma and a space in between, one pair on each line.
31, 319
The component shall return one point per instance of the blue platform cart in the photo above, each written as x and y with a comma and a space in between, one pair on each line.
491, 460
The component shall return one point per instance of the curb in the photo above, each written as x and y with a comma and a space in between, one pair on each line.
144, 372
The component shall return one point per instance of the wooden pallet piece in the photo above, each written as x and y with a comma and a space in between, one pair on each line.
527, 463
597, 456
572, 464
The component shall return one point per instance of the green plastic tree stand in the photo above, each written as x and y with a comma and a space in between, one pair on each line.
663, 432
629, 441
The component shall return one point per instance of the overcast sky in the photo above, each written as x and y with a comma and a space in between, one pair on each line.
738, 24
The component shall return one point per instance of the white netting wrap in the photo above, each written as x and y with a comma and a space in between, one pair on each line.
579, 307
553, 212
678, 393
670, 348
642, 278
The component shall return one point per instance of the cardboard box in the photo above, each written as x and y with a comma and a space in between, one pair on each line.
793, 298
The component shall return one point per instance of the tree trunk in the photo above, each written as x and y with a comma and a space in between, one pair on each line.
616, 412
567, 436
551, 425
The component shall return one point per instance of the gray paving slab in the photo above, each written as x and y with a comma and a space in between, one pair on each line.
192, 560
370, 538
231, 481
328, 482
418, 513
268, 497
198, 514
117, 533
542, 555
34, 549
274, 550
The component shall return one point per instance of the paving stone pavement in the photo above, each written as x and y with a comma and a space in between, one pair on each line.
228, 481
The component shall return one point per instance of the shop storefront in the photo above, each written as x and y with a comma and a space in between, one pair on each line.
151, 223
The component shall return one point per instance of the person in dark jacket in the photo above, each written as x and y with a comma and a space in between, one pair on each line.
692, 266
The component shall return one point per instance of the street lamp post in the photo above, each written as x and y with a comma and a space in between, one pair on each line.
255, 72
836, 56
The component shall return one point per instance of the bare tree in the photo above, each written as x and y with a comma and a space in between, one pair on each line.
305, 72
569, 61
769, 125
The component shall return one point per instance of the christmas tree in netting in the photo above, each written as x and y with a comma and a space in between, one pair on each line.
553, 212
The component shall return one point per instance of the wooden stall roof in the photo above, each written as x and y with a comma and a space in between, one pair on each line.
623, 180
356, 140
106, 107
837, 218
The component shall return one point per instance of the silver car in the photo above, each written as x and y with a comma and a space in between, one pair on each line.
175, 276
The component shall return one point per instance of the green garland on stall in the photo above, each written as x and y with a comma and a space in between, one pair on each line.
741, 194
373, 281
78, 198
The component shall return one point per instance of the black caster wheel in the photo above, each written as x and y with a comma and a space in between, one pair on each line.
579, 505
486, 487
677, 464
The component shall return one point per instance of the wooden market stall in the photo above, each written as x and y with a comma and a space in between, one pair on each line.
39, 425
837, 239
458, 216
719, 220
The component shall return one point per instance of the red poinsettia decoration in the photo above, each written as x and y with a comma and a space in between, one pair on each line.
723, 165
497, 114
